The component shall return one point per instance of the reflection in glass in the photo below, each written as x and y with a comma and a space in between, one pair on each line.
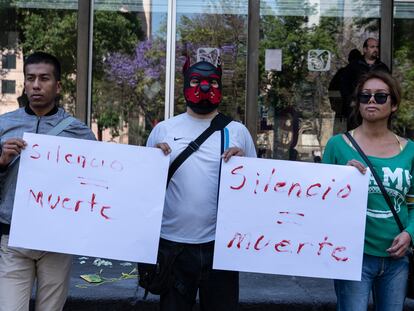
27, 26
128, 69
212, 31
403, 66
312, 39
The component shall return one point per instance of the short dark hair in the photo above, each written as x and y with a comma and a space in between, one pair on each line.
388, 79
43, 58
365, 45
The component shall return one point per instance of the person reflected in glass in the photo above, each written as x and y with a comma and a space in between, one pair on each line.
385, 261
370, 61
338, 104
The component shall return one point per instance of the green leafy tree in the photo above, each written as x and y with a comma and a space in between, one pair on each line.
113, 32
138, 81
55, 31
52, 31
296, 96
403, 70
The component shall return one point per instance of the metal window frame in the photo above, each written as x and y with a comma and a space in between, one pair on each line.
84, 52
170, 61
387, 32
84, 58
252, 67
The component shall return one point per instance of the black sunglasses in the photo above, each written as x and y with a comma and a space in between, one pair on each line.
380, 98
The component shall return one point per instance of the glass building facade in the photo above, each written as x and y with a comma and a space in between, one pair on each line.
122, 61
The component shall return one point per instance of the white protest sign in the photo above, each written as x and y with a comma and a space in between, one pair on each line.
89, 198
291, 218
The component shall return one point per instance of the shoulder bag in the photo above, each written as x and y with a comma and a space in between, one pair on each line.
410, 280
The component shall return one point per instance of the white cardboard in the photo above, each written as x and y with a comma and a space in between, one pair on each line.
263, 228
109, 198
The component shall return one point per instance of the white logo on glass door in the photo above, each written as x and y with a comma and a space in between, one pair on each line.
319, 60
211, 55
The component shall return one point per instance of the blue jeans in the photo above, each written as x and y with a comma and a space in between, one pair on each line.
218, 290
386, 277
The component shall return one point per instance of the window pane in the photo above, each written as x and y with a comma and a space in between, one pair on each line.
302, 45
27, 26
8, 86
129, 53
209, 29
9, 61
403, 65
327, 8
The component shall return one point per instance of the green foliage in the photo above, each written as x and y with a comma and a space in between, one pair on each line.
138, 80
295, 38
109, 118
113, 32
52, 31
404, 72
55, 31
285, 33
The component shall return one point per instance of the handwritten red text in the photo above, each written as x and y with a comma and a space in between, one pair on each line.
291, 189
61, 156
244, 241
54, 201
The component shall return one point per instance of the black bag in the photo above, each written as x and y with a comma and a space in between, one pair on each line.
158, 278
410, 280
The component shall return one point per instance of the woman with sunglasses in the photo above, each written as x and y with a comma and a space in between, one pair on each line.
385, 264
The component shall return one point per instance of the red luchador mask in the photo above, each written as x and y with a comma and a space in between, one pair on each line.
202, 86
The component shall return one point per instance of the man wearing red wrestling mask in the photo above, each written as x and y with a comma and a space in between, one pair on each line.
202, 87
189, 219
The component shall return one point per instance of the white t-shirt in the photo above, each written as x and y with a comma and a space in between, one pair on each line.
191, 199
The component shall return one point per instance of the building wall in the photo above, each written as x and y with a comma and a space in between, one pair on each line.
8, 102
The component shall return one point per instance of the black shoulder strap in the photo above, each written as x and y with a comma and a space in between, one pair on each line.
219, 122
377, 179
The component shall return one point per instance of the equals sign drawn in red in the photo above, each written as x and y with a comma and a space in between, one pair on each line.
93, 182
279, 222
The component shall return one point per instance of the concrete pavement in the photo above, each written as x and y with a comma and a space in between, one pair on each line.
258, 292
